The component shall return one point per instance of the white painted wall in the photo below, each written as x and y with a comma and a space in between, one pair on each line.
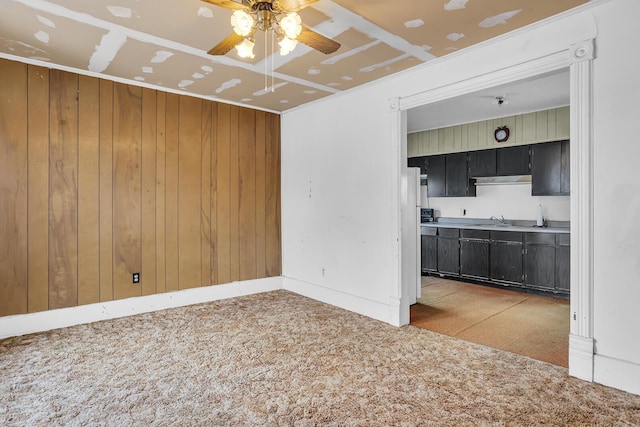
514, 202
339, 174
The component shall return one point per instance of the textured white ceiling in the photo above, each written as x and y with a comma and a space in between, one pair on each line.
164, 43
541, 93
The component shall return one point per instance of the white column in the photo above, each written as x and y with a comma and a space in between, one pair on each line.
398, 310
581, 344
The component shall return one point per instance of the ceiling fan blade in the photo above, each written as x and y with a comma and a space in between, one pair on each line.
226, 45
317, 41
292, 5
227, 4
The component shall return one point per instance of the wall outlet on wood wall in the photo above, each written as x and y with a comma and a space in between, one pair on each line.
136, 277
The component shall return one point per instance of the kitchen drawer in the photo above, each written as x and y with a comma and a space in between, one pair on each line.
540, 238
475, 234
449, 232
506, 236
428, 231
563, 239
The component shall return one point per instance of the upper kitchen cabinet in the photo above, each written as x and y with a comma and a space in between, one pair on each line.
483, 163
550, 169
447, 175
457, 182
513, 161
524, 129
500, 162
435, 169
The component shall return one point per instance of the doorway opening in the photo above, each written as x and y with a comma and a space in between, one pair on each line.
579, 59
508, 315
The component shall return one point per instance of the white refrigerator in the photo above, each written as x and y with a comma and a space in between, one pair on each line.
410, 235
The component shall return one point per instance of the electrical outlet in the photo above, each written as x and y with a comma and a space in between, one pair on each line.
136, 277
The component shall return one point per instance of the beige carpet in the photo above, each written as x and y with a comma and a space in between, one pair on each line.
282, 359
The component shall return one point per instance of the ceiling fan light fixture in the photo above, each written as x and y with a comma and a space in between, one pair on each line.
287, 45
242, 23
245, 49
291, 25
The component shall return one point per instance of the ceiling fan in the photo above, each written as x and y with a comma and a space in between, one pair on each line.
278, 16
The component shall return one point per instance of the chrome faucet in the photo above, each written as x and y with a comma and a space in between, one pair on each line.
500, 220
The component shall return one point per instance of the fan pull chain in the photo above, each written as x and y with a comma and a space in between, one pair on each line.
265, 62
273, 55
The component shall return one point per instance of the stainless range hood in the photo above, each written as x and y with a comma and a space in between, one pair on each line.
503, 180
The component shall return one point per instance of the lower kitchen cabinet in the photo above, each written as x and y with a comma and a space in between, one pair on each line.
449, 251
547, 264
506, 257
563, 263
536, 261
429, 247
474, 253
540, 260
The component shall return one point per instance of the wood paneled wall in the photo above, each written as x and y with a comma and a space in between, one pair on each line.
99, 180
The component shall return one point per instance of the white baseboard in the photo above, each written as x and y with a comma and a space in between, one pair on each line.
23, 324
617, 373
581, 357
370, 308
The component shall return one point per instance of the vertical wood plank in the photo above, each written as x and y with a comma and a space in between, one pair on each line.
63, 190
434, 141
261, 269
247, 194
448, 139
38, 185
441, 142
205, 196
13, 188
189, 192
519, 129
563, 121
106, 190
171, 194
127, 122
274, 262
148, 231
88, 190
542, 123
223, 235
464, 137
528, 127
552, 117
214, 193
472, 136
160, 193
234, 194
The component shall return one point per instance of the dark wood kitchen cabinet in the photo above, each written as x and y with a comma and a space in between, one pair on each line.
513, 161
482, 163
457, 182
563, 263
418, 162
506, 257
429, 247
474, 253
550, 169
449, 251
547, 264
540, 260
435, 170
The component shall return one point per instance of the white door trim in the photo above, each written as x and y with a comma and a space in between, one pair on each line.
579, 59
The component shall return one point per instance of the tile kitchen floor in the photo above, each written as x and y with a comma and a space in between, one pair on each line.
526, 324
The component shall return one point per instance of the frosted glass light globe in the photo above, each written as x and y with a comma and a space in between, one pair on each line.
241, 22
291, 25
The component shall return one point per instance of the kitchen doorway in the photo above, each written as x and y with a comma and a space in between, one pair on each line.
579, 59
